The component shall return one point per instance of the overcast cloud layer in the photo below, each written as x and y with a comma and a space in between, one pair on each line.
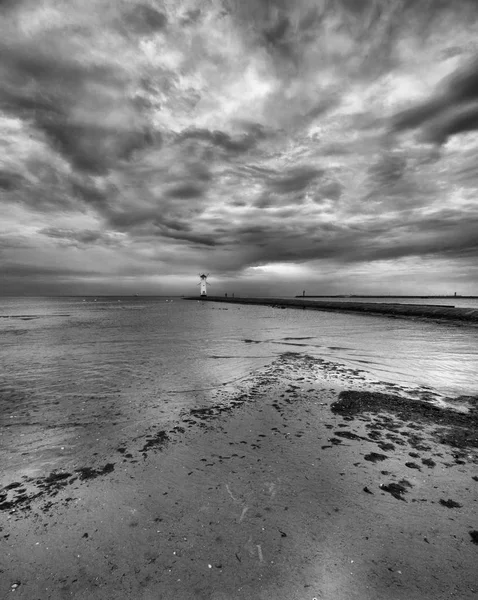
279, 145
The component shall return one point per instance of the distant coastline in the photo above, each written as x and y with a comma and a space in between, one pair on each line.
388, 296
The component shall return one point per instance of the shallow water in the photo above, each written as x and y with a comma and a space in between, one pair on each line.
77, 371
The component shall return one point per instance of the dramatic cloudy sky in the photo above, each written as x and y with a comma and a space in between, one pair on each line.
280, 145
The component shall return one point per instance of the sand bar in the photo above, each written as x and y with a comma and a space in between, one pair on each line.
305, 483
428, 311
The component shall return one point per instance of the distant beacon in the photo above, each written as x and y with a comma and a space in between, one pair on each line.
203, 284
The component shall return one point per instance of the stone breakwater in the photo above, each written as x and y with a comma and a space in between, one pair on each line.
428, 311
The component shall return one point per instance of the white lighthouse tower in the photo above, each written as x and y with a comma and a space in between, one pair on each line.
203, 283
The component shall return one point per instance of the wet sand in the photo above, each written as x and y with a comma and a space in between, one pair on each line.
309, 482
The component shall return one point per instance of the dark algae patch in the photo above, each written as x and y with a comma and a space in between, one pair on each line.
89, 473
450, 504
457, 429
335, 441
375, 457
15, 496
12, 486
397, 489
155, 441
386, 446
56, 478
350, 435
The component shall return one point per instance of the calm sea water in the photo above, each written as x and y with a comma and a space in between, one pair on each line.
72, 367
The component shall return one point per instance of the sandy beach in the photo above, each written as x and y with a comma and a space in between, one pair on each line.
309, 482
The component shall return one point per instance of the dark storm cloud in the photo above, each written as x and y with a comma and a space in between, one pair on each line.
72, 103
14, 269
287, 188
85, 190
440, 236
276, 34
263, 245
167, 219
287, 30
331, 190
196, 239
20, 102
84, 237
144, 19
453, 109
10, 241
295, 179
278, 37
185, 191
190, 17
130, 219
329, 101
335, 149
412, 118
276, 200
9, 180
389, 169
7, 4
224, 141
47, 65
459, 119
264, 201
39, 188
87, 146
176, 225
463, 85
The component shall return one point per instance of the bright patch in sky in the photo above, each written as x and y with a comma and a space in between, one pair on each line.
284, 269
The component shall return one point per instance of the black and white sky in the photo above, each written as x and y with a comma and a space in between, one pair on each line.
280, 145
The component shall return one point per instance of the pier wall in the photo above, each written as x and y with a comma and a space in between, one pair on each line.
429, 311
